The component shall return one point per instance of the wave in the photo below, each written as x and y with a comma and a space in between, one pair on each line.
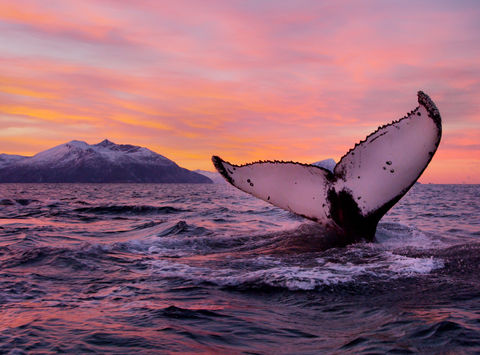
396, 235
19, 201
452, 333
182, 227
118, 340
185, 313
85, 257
130, 209
7, 202
276, 273
171, 239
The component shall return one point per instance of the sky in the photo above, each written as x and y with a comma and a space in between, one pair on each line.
300, 80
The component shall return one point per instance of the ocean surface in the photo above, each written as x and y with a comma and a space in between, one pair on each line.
164, 268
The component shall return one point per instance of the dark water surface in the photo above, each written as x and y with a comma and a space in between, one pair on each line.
206, 268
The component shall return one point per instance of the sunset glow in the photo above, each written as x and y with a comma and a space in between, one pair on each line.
247, 80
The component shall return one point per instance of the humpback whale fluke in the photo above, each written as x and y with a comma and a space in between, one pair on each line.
367, 181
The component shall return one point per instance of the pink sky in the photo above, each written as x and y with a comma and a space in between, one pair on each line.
246, 80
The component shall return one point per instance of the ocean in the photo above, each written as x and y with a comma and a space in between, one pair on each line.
166, 268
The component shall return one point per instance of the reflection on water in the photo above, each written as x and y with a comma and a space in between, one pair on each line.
206, 268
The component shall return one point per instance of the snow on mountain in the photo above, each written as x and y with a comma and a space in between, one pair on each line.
78, 161
328, 164
8, 159
215, 177
76, 151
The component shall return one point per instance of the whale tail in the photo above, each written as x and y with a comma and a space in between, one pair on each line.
367, 181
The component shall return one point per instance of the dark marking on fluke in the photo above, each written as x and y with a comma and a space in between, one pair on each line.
217, 162
347, 215
343, 213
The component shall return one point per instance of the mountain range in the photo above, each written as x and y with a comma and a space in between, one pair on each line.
105, 162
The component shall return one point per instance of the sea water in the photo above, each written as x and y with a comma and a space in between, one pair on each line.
165, 268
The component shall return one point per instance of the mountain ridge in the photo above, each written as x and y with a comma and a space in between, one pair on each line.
104, 162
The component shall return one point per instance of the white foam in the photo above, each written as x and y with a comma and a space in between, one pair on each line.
394, 236
386, 266
406, 266
154, 246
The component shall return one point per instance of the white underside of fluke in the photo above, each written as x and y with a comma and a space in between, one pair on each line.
388, 161
301, 189
375, 173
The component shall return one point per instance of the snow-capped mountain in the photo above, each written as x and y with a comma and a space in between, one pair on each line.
328, 164
7, 159
77, 161
215, 177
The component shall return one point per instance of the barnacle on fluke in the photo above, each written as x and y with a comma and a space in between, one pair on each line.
349, 204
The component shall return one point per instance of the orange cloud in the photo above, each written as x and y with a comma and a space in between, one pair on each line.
247, 80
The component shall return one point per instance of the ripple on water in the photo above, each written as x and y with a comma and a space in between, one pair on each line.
182, 268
